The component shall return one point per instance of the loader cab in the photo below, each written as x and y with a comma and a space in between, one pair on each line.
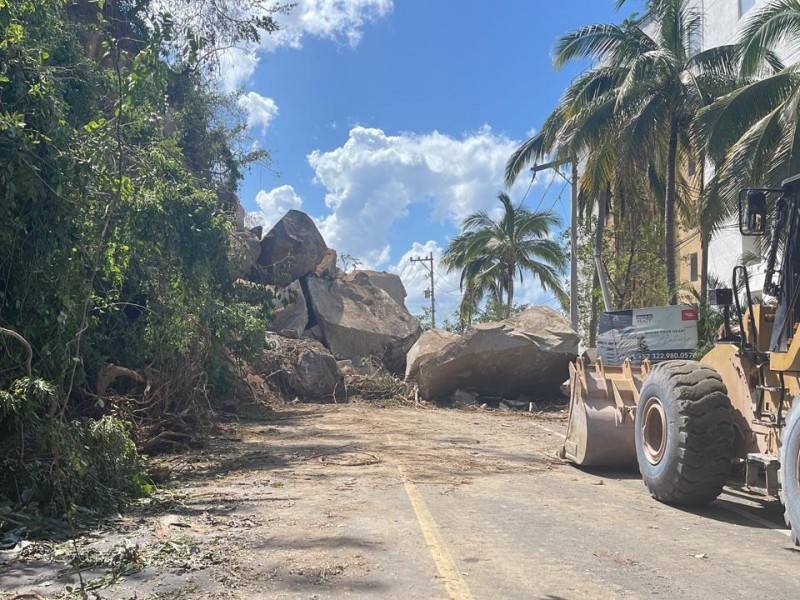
773, 212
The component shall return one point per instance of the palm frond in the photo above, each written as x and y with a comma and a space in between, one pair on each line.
774, 24
603, 42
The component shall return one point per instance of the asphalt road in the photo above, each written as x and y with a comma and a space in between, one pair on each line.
360, 502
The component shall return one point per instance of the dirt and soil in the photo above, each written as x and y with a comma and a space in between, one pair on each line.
358, 501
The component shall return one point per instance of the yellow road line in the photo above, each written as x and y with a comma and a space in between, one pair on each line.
456, 587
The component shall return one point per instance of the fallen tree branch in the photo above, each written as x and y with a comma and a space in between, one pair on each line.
24, 342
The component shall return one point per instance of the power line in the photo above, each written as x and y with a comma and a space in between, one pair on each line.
563, 187
530, 185
547, 189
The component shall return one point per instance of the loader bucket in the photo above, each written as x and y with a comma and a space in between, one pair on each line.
602, 408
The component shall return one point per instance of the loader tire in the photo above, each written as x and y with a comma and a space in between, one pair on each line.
790, 471
684, 433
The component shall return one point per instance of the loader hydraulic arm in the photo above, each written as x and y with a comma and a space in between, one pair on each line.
771, 287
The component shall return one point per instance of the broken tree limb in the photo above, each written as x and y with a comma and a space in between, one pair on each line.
24, 342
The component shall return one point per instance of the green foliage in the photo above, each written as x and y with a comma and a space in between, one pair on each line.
751, 133
120, 159
348, 262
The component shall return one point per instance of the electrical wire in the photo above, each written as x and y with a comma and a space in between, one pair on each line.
558, 198
549, 185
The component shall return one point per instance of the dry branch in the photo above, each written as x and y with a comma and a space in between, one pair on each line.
24, 342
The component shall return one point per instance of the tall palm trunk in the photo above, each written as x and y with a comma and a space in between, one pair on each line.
510, 304
599, 232
669, 211
705, 239
594, 320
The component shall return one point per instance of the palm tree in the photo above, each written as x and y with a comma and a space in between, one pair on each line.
639, 99
752, 133
493, 253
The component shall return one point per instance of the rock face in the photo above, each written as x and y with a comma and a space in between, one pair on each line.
358, 319
306, 369
292, 249
388, 282
245, 251
290, 312
431, 343
526, 354
327, 266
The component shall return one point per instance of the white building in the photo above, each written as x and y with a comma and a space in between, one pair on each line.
722, 20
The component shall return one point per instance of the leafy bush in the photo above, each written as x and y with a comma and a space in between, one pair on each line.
54, 465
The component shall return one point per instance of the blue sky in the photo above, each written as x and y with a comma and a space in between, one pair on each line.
388, 122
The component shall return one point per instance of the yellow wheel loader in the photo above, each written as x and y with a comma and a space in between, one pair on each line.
690, 426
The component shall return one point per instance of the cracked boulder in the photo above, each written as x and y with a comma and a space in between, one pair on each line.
358, 319
528, 354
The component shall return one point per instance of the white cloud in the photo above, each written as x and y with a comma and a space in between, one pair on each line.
237, 65
273, 205
260, 109
341, 21
338, 20
373, 179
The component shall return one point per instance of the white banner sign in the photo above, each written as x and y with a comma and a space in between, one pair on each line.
660, 333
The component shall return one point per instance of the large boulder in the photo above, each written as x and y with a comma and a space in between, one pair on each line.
430, 343
358, 319
289, 310
303, 368
292, 248
526, 354
388, 282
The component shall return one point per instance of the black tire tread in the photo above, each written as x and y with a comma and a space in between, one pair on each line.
705, 433
793, 527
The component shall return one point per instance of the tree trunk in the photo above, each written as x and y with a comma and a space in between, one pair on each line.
669, 212
574, 292
705, 240
510, 305
594, 316
602, 205
599, 232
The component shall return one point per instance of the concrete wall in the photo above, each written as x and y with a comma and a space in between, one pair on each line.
721, 20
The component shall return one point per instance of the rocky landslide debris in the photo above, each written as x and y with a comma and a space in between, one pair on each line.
292, 248
303, 368
358, 317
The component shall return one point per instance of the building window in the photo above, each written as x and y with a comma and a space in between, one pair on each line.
693, 267
745, 5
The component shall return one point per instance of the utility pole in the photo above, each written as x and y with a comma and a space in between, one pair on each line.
428, 263
573, 234
573, 246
